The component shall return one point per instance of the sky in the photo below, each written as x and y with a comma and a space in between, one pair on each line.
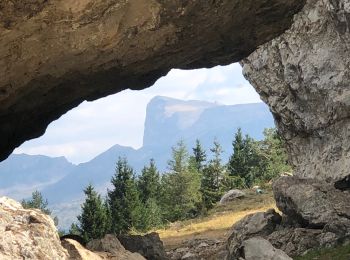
93, 127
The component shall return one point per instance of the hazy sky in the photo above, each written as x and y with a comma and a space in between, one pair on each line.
93, 127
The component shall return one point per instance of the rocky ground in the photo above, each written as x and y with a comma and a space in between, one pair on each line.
311, 214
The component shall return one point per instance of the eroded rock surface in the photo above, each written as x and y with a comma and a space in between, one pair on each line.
315, 214
304, 76
150, 246
259, 224
258, 248
56, 54
27, 233
109, 247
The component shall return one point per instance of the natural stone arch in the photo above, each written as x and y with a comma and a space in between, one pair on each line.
55, 54
304, 77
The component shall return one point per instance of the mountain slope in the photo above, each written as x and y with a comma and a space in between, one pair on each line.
20, 174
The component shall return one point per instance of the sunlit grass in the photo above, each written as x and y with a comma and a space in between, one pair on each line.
218, 222
338, 253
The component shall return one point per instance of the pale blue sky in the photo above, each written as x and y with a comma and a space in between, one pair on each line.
93, 127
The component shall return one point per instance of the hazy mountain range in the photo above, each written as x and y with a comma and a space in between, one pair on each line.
167, 121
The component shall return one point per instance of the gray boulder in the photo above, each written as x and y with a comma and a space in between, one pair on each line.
258, 248
258, 224
150, 246
313, 203
231, 195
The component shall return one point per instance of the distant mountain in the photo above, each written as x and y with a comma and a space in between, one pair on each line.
167, 121
20, 174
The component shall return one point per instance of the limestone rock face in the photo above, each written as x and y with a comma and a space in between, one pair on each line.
56, 54
304, 76
27, 233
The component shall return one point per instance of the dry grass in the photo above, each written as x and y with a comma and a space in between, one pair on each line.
219, 221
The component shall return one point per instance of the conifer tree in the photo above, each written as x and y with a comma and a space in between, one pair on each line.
123, 199
37, 202
213, 175
149, 182
199, 156
243, 160
180, 186
93, 219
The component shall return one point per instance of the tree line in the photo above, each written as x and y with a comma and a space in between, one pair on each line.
191, 186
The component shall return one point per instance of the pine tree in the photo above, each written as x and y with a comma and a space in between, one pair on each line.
243, 160
199, 156
212, 178
180, 186
37, 202
123, 199
93, 218
149, 182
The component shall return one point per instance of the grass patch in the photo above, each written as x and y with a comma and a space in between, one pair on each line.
336, 253
219, 221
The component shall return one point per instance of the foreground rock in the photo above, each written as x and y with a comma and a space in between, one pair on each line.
257, 248
231, 195
60, 53
109, 247
304, 77
150, 246
78, 252
315, 214
259, 224
312, 203
27, 233
198, 249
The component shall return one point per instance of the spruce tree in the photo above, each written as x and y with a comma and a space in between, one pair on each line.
123, 199
243, 160
199, 156
212, 178
149, 182
37, 202
93, 219
180, 186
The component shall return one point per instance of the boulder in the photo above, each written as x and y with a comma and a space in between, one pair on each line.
231, 195
258, 248
27, 233
208, 249
77, 251
150, 246
295, 241
110, 248
312, 203
258, 224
